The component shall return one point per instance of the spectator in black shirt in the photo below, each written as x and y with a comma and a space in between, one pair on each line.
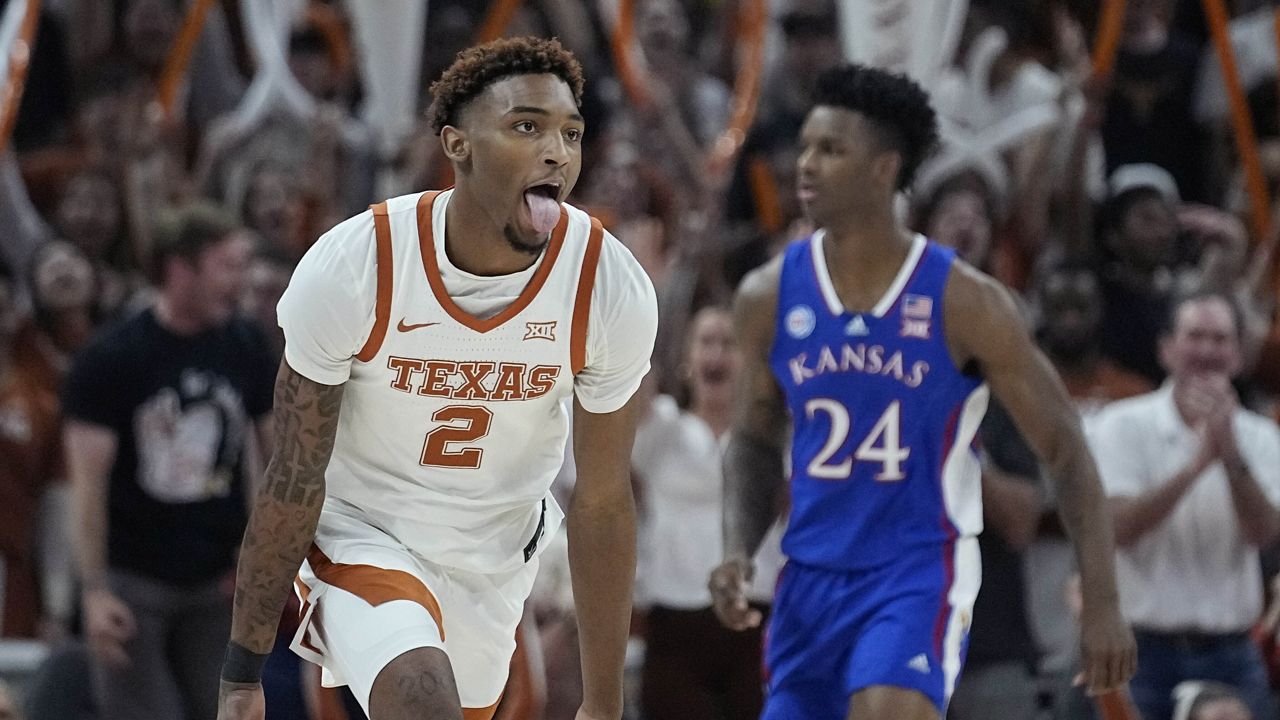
161, 444
1149, 114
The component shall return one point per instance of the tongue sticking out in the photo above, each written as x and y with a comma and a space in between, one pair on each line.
544, 211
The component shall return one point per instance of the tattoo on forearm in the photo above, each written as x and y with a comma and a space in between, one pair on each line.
288, 504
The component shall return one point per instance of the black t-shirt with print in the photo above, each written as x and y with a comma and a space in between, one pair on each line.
182, 409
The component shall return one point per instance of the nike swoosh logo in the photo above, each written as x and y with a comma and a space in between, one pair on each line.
405, 327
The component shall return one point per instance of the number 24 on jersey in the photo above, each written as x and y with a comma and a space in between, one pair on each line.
882, 445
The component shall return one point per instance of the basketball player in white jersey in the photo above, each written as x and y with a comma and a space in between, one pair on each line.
433, 346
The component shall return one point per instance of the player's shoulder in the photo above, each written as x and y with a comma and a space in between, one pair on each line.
360, 228
352, 243
348, 240
759, 287
403, 203
617, 269
974, 297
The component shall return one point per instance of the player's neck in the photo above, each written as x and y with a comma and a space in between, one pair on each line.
867, 241
867, 233
475, 244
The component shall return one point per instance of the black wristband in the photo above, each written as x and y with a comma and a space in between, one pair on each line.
242, 666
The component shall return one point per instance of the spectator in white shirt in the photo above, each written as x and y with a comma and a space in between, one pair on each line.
1193, 481
694, 666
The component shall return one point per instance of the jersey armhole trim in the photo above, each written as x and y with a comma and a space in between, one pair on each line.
582, 302
375, 585
382, 309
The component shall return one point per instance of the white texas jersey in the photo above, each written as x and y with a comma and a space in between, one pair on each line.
453, 425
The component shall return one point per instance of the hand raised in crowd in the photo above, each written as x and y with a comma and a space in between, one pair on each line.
728, 586
1211, 225
1208, 403
109, 625
1218, 422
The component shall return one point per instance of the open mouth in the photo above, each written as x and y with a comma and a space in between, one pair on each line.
543, 202
715, 376
547, 190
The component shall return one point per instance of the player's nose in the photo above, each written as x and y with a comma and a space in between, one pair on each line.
555, 151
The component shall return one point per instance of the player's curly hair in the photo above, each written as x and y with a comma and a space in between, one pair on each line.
479, 67
898, 108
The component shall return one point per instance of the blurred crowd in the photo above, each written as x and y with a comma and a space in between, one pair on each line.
1116, 206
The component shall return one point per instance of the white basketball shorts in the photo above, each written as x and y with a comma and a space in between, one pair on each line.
367, 599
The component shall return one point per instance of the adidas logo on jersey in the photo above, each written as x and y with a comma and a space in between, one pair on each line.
857, 327
920, 664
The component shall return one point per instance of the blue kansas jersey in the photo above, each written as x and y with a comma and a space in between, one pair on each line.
881, 459
883, 563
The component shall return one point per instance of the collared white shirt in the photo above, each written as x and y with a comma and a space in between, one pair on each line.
1195, 571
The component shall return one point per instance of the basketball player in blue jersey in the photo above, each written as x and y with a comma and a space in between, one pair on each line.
883, 348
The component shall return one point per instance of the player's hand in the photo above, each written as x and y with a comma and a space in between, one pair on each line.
241, 701
728, 586
109, 624
1108, 652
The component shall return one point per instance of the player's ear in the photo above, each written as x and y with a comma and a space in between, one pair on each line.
885, 168
455, 143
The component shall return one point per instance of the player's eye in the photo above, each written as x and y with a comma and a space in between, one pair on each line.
525, 126
573, 135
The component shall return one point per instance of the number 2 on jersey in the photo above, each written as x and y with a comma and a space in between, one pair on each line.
463, 424
882, 444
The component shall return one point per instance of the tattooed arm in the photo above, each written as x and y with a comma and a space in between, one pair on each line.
753, 468
283, 523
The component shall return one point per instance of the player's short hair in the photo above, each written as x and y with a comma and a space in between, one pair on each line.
897, 107
479, 67
186, 232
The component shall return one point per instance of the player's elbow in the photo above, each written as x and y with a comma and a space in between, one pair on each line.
603, 498
1065, 452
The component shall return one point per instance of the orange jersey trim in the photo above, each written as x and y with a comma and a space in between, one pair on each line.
382, 310
375, 585
431, 265
304, 591
582, 301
